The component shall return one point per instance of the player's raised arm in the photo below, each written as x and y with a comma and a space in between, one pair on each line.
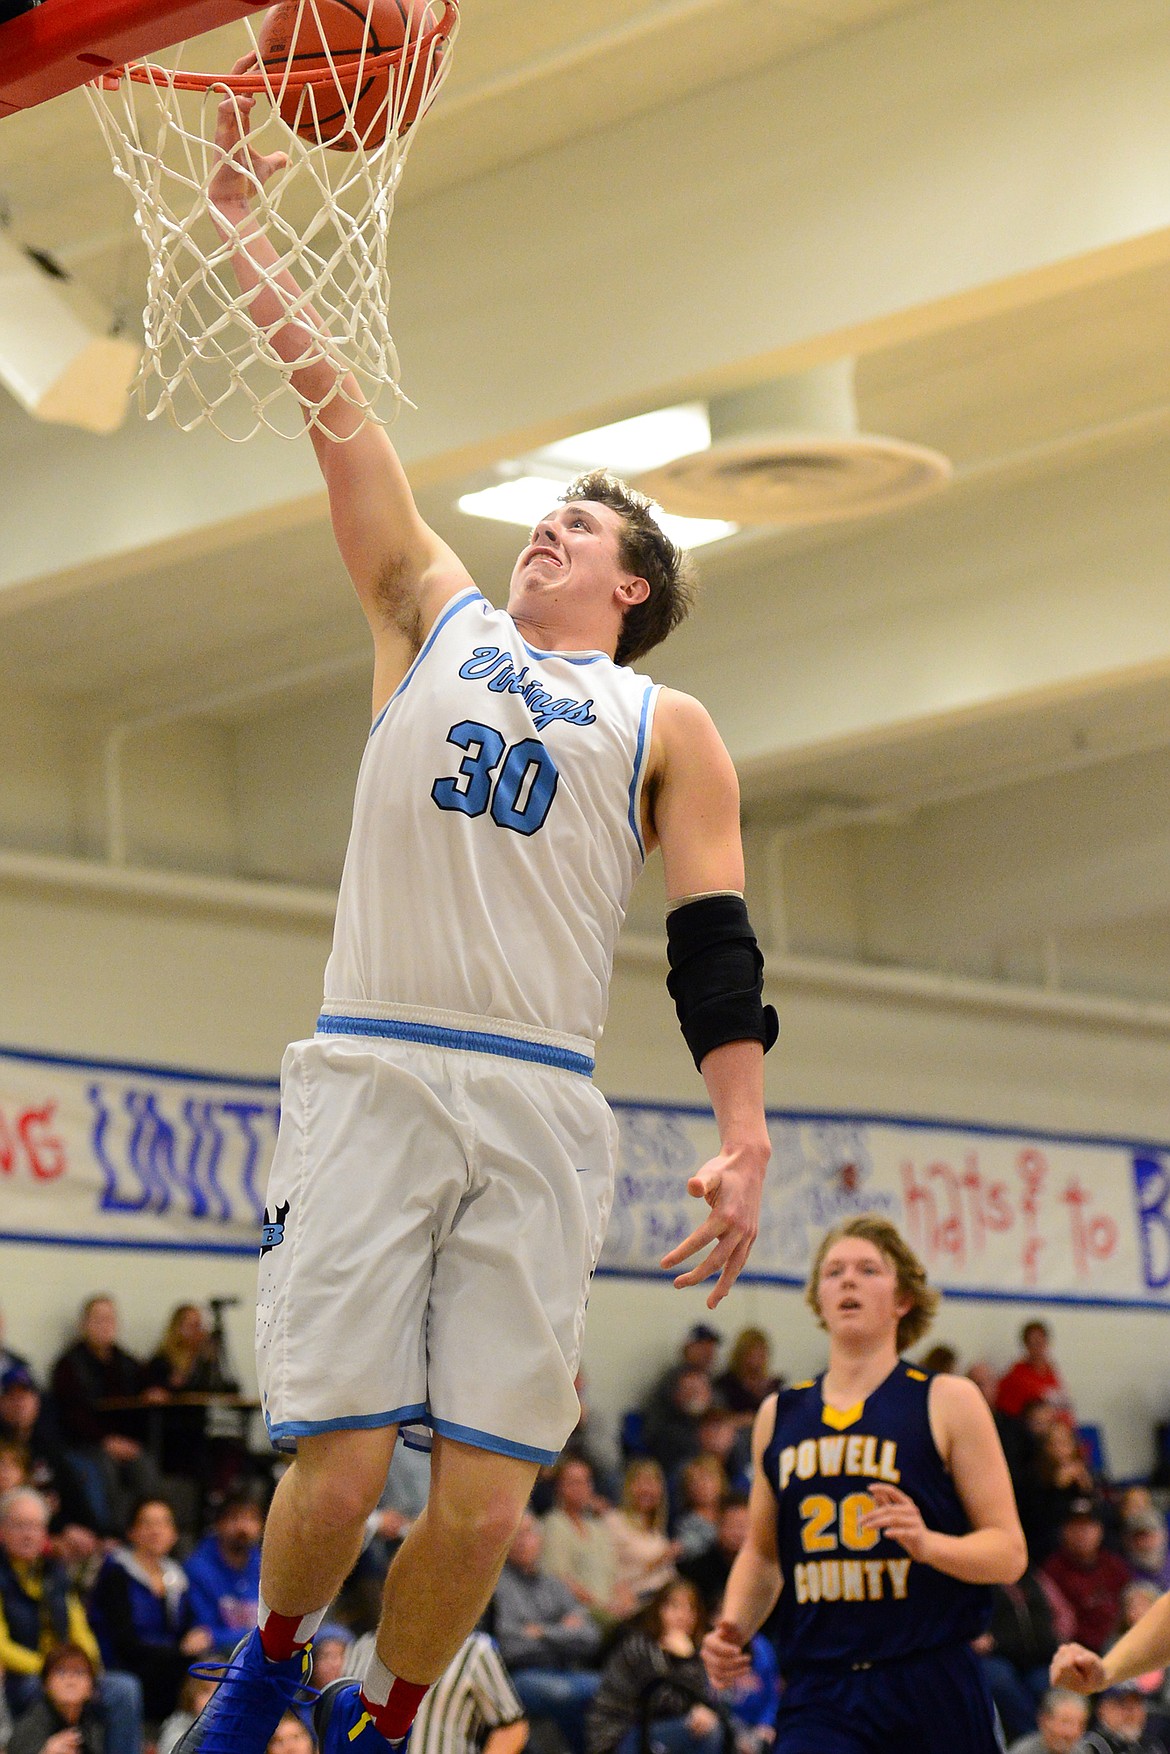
994, 1552
716, 979
755, 1580
402, 571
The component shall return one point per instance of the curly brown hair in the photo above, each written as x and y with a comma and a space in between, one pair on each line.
648, 554
908, 1269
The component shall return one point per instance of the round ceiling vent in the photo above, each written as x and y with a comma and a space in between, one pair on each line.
791, 453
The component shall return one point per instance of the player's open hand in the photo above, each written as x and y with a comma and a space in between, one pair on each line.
724, 1658
895, 1514
242, 171
732, 1185
1078, 1669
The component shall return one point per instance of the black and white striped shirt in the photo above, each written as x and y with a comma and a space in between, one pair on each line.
471, 1698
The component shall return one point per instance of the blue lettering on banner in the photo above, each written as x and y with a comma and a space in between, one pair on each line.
197, 1160
489, 664
1153, 1191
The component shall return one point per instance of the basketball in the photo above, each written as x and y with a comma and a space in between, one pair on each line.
296, 34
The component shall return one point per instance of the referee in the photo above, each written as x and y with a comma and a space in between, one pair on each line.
471, 1709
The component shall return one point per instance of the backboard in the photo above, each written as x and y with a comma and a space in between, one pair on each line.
61, 44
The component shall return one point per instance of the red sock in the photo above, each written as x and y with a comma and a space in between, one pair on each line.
282, 1635
393, 1715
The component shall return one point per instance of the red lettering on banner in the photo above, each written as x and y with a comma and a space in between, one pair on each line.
1094, 1237
27, 1140
1032, 1168
950, 1212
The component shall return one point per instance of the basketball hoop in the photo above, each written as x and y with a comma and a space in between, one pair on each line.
345, 119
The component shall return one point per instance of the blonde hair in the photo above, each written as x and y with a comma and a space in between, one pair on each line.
744, 1343
908, 1270
173, 1347
644, 1465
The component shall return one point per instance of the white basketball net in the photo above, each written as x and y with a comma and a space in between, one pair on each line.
326, 214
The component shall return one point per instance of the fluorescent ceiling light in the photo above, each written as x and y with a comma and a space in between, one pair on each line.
529, 498
630, 446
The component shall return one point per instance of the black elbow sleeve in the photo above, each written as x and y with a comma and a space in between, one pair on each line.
716, 975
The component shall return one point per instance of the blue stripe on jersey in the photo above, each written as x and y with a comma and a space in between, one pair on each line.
453, 608
284, 1429
635, 825
433, 1035
500, 1446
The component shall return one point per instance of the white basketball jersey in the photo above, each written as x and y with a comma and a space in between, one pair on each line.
496, 831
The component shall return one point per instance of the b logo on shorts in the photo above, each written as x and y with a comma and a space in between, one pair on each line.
273, 1233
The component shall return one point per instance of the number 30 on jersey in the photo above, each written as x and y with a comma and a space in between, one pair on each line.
519, 795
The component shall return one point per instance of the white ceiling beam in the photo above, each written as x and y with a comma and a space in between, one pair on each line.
973, 605
948, 159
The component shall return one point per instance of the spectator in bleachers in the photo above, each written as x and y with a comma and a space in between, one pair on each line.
291, 1736
186, 1363
546, 1639
13, 1465
66, 1719
1060, 1725
1015, 1439
46, 1467
193, 1696
644, 1553
749, 1378
710, 1570
332, 1654
141, 1611
1120, 1726
1133, 1500
702, 1489
940, 1360
1137, 1600
579, 1546
720, 1438
1058, 1474
670, 1428
106, 1444
698, 1352
9, 1358
1015, 1651
654, 1683
224, 1573
1034, 1377
471, 1709
1089, 1577
40, 1610
1144, 1547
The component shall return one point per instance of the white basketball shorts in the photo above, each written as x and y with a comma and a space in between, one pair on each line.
435, 1209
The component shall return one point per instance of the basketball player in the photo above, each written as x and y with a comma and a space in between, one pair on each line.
880, 1509
1145, 1647
444, 1170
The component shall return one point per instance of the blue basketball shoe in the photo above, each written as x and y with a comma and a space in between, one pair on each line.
250, 1700
342, 1723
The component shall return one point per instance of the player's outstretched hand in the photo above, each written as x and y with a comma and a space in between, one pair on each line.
1078, 1669
242, 170
895, 1514
724, 1657
732, 1185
